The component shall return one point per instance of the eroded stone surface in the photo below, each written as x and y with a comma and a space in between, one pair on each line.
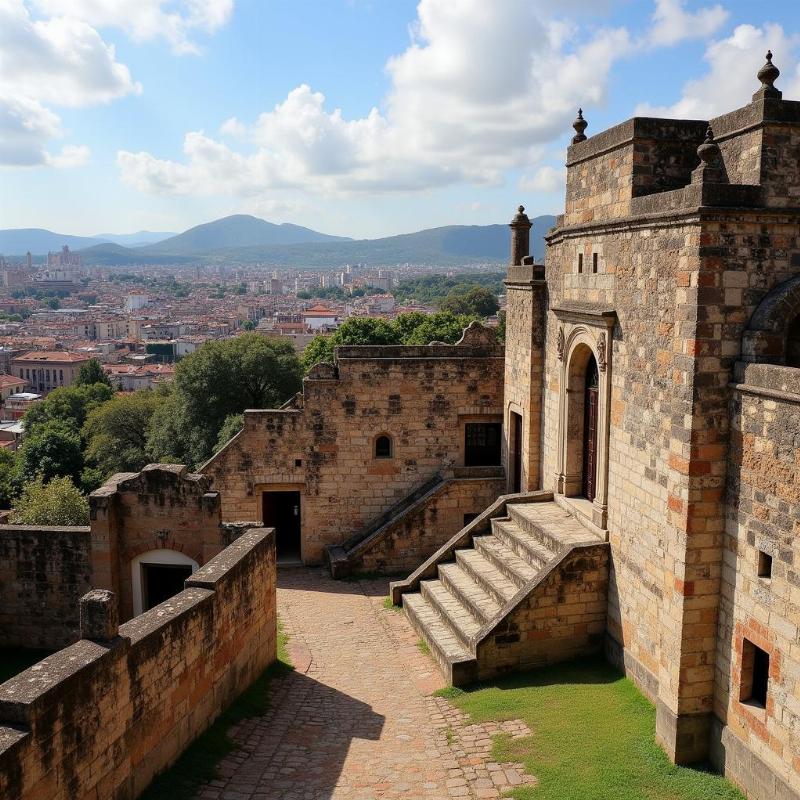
356, 718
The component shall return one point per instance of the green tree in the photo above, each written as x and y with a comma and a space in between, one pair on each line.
248, 325
407, 323
91, 372
319, 349
55, 502
52, 450
220, 379
501, 326
440, 327
116, 433
8, 478
232, 425
353, 331
478, 301
70, 404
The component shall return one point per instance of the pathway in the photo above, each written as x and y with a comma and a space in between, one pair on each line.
355, 719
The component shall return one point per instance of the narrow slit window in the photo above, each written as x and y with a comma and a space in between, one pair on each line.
755, 675
764, 564
594, 262
580, 263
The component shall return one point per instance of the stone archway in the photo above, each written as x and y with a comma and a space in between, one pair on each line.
166, 560
584, 353
772, 335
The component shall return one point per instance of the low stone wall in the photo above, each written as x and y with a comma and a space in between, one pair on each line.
43, 574
102, 717
403, 544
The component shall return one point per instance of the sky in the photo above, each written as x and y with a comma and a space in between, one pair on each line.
362, 118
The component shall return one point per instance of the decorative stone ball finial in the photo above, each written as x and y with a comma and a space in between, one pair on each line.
521, 216
580, 126
768, 74
709, 149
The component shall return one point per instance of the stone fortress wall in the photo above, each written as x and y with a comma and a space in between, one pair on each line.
655, 270
103, 716
323, 444
43, 574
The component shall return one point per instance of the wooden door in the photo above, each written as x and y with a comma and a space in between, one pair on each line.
590, 435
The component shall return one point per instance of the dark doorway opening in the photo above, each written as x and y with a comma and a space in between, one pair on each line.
482, 444
281, 510
590, 430
162, 581
516, 444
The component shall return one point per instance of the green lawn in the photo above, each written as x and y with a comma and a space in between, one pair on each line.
593, 737
198, 764
14, 660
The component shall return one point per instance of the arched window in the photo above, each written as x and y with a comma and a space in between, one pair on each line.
383, 447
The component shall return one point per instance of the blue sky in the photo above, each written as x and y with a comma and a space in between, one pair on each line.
118, 115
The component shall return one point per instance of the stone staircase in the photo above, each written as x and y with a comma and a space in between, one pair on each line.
524, 585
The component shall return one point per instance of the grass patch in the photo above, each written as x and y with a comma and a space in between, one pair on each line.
449, 692
198, 764
390, 606
593, 737
423, 648
14, 660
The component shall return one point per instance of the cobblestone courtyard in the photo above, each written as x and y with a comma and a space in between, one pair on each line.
356, 719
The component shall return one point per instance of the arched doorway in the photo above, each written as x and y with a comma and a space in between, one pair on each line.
158, 575
590, 407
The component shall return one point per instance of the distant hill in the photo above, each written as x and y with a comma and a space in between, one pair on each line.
18, 241
449, 245
138, 239
239, 230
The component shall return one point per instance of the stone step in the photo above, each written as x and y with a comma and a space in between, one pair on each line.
487, 575
522, 543
481, 604
440, 638
505, 559
453, 612
549, 524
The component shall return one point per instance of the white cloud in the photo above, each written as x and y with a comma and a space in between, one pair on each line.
146, 20
731, 78
672, 23
480, 90
71, 155
50, 62
545, 179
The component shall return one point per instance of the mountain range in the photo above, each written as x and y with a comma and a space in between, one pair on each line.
245, 239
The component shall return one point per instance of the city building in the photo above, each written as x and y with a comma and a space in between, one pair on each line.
45, 370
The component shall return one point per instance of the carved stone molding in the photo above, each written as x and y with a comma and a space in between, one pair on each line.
601, 352
560, 343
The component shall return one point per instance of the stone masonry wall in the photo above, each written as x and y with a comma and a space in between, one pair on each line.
162, 507
763, 515
420, 396
43, 574
405, 544
563, 617
101, 718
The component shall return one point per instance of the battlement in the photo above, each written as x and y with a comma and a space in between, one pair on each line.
756, 147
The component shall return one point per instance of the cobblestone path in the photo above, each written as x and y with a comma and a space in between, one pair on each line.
355, 719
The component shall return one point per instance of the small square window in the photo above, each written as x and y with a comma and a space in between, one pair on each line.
298, 462
469, 518
594, 262
580, 263
755, 675
764, 564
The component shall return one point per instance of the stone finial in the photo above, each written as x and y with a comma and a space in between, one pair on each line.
580, 126
99, 615
709, 149
768, 74
520, 236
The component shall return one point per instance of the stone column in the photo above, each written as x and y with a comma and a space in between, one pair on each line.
520, 236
